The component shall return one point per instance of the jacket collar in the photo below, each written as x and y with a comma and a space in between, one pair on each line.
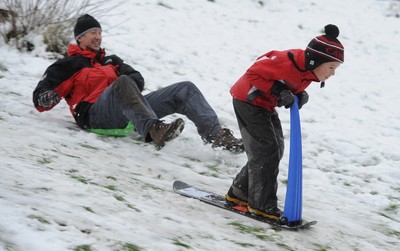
74, 49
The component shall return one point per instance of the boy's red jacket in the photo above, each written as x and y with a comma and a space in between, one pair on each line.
272, 66
81, 78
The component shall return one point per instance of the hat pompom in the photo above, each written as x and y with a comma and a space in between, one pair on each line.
332, 30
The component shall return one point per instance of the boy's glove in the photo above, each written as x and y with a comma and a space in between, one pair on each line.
303, 98
286, 98
48, 99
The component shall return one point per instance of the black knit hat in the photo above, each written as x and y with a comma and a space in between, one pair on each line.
326, 48
84, 24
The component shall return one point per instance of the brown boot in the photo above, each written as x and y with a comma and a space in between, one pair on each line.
226, 141
161, 132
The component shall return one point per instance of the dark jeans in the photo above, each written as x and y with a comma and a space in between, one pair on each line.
122, 102
263, 142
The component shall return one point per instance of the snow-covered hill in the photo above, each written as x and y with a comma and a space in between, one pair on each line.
62, 188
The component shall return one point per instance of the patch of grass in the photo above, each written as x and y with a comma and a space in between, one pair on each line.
13, 94
386, 216
80, 179
70, 155
131, 247
321, 247
187, 166
129, 205
181, 244
83, 248
39, 218
346, 183
244, 245
111, 178
192, 159
285, 246
88, 209
119, 197
392, 208
2, 67
394, 233
83, 179
256, 231
88, 146
214, 169
165, 5
44, 161
134, 208
111, 187
43, 189
147, 185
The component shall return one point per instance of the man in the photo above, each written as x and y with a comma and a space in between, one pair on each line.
273, 81
105, 93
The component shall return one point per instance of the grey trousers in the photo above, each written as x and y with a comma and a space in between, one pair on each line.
264, 145
122, 102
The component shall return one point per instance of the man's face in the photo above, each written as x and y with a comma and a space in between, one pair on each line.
91, 39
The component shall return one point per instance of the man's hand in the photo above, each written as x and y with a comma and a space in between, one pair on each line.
113, 59
48, 99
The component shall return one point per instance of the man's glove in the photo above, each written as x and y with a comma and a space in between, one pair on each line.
112, 59
286, 98
303, 98
48, 99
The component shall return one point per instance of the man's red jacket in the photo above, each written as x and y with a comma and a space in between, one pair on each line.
81, 78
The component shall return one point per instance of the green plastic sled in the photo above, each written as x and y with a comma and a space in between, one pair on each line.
118, 132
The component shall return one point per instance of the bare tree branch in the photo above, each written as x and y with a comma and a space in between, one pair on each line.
36, 16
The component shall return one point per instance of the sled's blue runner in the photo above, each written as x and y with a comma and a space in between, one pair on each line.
294, 192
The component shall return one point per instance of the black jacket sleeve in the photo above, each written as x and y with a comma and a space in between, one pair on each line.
125, 69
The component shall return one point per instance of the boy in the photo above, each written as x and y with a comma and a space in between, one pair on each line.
273, 81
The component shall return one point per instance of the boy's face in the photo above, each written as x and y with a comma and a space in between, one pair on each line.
91, 39
326, 70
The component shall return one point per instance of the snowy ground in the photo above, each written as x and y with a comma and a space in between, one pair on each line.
62, 188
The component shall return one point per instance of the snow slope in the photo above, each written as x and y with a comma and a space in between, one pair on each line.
62, 188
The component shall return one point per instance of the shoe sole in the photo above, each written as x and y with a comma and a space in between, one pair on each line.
176, 129
260, 213
234, 201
